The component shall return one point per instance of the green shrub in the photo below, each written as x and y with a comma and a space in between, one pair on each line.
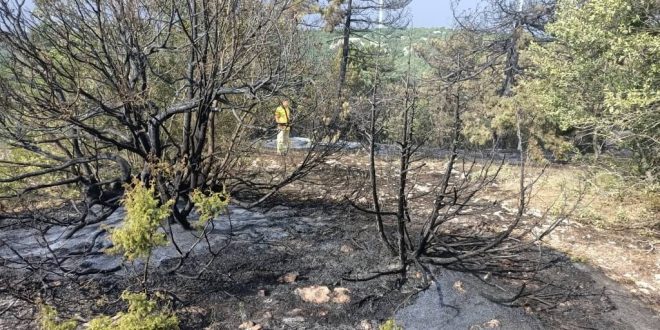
209, 206
142, 314
144, 214
390, 325
48, 320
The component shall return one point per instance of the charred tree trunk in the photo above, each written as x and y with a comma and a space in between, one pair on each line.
346, 46
432, 222
512, 68
372, 166
404, 165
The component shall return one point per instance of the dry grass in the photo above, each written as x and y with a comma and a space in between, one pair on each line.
608, 200
616, 226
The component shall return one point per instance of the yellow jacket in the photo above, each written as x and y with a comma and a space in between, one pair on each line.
282, 115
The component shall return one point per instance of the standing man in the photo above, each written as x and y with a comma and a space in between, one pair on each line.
282, 118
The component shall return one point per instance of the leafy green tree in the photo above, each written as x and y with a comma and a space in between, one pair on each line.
503, 28
357, 17
601, 74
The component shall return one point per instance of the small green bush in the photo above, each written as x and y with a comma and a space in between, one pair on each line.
390, 325
139, 233
48, 320
209, 206
142, 314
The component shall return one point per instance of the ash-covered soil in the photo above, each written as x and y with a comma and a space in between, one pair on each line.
298, 245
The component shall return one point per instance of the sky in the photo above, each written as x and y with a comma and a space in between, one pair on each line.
435, 13
424, 13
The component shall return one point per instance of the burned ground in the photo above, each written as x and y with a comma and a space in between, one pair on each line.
325, 242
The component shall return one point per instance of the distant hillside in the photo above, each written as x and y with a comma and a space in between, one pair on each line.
396, 42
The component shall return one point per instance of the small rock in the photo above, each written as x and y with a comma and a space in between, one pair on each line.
262, 293
193, 310
493, 324
288, 277
458, 286
294, 311
290, 320
340, 296
487, 276
323, 313
214, 326
267, 316
345, 248
249, 325
365, 325
314, 294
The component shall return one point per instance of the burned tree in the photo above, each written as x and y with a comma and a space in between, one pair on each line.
505, 22
452, 228
99, 92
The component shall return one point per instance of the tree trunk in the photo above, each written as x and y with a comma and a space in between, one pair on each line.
372, 168
345, 50
403, 175
512, 69
597, 146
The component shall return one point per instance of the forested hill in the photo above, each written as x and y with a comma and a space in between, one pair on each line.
394, 42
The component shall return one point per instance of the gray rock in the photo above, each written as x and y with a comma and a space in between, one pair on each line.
293, 320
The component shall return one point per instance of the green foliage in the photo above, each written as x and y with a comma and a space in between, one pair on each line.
602, 74
144, 213
209, 206
365, 57
142, 314
48, 320
390, 325
577, 258
332, 14
396, 44
21, 157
